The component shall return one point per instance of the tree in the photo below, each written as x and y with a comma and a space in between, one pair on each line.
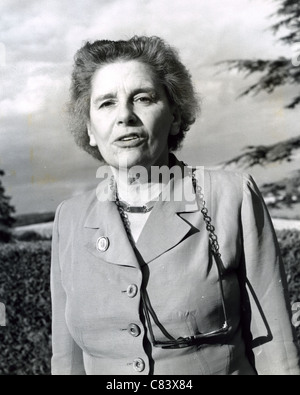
276, 73
6, 211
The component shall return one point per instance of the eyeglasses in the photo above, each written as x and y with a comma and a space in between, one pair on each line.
183, 342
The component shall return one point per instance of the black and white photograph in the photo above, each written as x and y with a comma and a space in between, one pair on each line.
149, 190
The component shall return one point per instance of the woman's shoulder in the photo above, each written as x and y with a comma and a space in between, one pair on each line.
229, 191
226, 185
78, 204
219, 177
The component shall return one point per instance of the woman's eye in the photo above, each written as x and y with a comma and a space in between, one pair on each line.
106, 104
144, 99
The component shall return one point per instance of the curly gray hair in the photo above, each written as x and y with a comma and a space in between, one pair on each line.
153, 51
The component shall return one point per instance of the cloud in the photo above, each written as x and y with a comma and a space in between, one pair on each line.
40, 39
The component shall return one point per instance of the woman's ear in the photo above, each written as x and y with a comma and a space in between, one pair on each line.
93, 142
175, 127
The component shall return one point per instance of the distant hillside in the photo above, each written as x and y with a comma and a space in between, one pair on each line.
34, 218
292, 212
43, 231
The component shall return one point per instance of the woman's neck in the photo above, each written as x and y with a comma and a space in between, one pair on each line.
137, 189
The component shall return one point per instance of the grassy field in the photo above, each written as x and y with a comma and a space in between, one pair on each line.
34, 218
25, 342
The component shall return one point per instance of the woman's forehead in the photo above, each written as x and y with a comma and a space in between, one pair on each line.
129, 75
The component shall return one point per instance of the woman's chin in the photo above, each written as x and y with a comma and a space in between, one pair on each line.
131, 158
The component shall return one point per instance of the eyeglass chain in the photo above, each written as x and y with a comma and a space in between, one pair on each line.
213, 239
123, 214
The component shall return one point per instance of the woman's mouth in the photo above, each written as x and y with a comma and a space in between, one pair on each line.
131, 140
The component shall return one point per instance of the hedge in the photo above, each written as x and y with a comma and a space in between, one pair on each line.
25, 342
289, 242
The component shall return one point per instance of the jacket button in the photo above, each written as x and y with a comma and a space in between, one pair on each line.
134, 330
102, 244
132, 290
138, 365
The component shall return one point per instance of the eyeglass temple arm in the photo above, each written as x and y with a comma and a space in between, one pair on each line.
148, 309
219, 264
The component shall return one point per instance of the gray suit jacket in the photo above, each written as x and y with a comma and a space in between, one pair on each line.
96, 295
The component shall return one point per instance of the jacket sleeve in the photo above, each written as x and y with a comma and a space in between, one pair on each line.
67, 358
267, 308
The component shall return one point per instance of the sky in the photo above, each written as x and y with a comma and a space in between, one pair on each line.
38, 40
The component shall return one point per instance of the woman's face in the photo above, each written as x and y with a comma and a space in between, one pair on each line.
130, 116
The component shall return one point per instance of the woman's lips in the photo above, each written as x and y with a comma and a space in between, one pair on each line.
130, 141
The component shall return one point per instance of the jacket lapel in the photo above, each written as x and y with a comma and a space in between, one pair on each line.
105, 219
170, 221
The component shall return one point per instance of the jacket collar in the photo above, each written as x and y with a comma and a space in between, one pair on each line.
170, 221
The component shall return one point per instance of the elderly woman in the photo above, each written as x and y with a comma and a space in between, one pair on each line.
175, 274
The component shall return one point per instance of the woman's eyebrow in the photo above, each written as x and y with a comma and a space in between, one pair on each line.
149, 90
104, 97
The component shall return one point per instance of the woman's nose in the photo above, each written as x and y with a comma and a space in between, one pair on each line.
126, 114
